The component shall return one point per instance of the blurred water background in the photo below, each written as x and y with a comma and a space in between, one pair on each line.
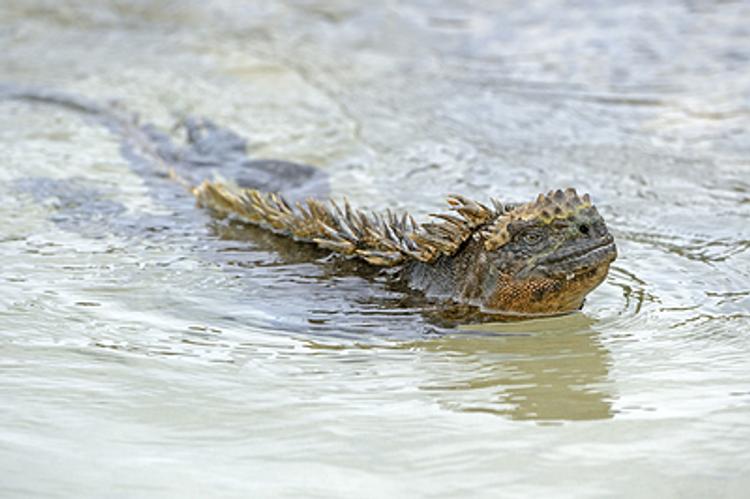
147, 350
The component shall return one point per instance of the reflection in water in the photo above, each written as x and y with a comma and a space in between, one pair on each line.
550, 369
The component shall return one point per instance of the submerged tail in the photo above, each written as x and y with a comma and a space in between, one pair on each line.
260, 189
124, 125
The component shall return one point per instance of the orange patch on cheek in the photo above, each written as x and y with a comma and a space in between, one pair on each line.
543, 295
531, 296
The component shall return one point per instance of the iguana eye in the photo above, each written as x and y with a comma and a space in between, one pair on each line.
532, 238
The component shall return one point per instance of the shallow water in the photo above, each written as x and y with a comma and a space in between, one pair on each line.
148, 350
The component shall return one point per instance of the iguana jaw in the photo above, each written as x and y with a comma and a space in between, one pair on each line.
549, 289
540, 296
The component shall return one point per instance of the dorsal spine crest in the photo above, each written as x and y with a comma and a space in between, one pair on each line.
383, 239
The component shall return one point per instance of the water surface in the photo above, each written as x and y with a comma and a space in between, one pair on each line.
149, 350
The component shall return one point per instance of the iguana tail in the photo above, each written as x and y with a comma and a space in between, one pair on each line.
121, 123
382, 239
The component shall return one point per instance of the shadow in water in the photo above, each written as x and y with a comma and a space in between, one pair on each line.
542, 370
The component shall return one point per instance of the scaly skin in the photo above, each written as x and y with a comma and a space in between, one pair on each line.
539, 266
538, 258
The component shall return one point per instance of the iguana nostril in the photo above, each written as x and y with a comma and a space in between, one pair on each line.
584, 229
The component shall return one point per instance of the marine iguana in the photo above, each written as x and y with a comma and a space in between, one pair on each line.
536, 258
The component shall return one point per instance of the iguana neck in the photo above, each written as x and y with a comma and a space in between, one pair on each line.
460, 277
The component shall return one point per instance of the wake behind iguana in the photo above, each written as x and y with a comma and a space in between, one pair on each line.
537, 258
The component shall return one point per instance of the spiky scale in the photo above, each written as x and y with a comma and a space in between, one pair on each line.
384, 239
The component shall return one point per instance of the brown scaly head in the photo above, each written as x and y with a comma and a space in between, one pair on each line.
542, 257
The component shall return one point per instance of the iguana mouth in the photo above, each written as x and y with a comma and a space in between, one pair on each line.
572, 261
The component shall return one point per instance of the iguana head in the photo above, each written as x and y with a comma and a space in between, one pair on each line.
543, 257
